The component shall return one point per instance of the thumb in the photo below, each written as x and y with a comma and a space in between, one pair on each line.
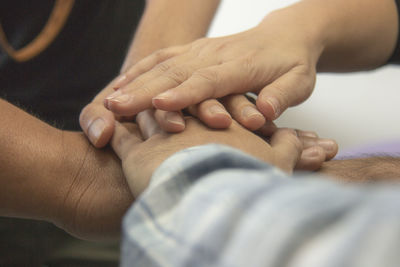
97, 123
288, 90
287, 148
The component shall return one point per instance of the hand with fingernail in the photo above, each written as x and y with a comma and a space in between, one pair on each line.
144, 145
209, 77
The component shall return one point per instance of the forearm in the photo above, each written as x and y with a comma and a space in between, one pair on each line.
373, 169
349, 35
43, 169
170, 22
30, 149
246, 208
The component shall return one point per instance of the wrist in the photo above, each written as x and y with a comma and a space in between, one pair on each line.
29, 171
354, 35
94, 194
66, 167
167, 23
303, 25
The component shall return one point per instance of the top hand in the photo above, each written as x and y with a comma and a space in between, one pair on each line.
276, 62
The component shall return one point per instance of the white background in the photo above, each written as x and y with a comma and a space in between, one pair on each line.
355, 109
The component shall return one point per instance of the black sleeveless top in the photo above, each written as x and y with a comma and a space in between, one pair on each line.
395, 58
84, 57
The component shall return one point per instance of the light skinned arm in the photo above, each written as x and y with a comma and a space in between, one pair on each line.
353, 35
168, 23
278, 59
164, 23
57, 176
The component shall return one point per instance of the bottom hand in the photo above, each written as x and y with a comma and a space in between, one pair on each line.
143, 149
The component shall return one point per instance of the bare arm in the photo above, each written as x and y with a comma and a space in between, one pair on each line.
373, 169
165, 23
57, 176
353, 35
277, 60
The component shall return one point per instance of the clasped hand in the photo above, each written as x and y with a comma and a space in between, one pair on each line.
209, 77
144, 146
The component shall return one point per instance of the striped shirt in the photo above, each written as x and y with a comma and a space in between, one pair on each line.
216, 206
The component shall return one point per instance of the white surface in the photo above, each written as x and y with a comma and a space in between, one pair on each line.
354, 109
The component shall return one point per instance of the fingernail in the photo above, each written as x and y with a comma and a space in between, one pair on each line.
217, 110
174, 118
327, 144
275, 105
308, 134
119, 97
119, 81
163, 96
310, 153
96, 128
250, 112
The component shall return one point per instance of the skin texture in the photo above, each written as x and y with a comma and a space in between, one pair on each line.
373, 169
164, 24
278, 60
143, 148
57, 176
53, 175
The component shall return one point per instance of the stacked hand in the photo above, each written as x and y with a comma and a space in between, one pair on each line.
209, 77
143, 147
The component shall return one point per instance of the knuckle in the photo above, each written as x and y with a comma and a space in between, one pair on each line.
248, 65
291, 137
222, 45
178, 75
146, 90
282, 94
138, 83
164, 66
200, 43
210, 78
161, 54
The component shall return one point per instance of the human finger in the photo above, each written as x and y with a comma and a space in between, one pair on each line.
208, 83
268, 129
288, 90
329, 146
315, 150
125, 137
146, 64
97, 123
147, 124
243, 111
311, 159
287, 148
212, 113
170, 121
138, 95
302, 133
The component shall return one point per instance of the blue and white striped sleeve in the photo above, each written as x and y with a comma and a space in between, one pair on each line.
215, 206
